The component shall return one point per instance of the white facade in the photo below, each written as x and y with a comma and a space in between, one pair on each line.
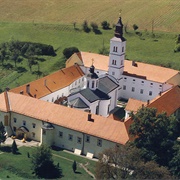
78, 84
141, 89
58, 135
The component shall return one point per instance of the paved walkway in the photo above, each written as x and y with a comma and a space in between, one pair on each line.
19, 143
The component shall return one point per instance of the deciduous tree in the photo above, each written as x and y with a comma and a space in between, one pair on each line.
125, 162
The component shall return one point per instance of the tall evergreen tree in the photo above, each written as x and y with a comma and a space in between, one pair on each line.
74, 166
43, 165
14, 147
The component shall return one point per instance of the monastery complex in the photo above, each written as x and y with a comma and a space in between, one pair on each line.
74, 107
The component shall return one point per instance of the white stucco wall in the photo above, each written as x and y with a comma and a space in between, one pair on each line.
29, 125
104, 107
140, 85
84, 146
79, 83
56, 95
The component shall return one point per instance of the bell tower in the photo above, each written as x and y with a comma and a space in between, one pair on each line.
117, 52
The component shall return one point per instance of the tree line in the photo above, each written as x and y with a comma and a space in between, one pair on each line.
153, 154
16, 51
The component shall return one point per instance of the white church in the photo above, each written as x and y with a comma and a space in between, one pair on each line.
71, 108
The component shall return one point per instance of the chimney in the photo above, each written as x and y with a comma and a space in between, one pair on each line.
45, 82
28, 88
148, 101
89, 117
133, 63
21, 92
7, 89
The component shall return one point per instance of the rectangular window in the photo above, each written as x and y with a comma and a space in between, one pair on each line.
87, 83
60, 134
160, 85
134, 80
14, 129
88, 139
121, 62
150, 93
70, 137
33, 134
113, 73
82, 78
133, 89
34, 125
141, 91
124, 87
114, 62
142, 82
122, 49
24, 123
151, 84
99, 142
15, 120
79, 140
92, 84
114, 49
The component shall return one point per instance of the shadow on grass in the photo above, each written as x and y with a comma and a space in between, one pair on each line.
21, 69
39, 73
77, 172
55, 148
6, 149
97, 31
17, 153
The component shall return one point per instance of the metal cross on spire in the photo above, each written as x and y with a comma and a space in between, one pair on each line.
92, 61
120, 12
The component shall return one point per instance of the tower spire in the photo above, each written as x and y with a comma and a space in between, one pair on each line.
119, 27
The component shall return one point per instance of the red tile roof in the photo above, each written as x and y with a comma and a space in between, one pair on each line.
141, 70
134, 104
168, 102
54, 82
71, 118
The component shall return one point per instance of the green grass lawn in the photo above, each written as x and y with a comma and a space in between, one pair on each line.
157, 50
19, 166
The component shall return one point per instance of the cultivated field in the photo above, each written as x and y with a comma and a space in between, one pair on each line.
164, 13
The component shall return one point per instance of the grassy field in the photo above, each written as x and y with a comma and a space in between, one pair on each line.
165, 13
19, 166
158, 50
